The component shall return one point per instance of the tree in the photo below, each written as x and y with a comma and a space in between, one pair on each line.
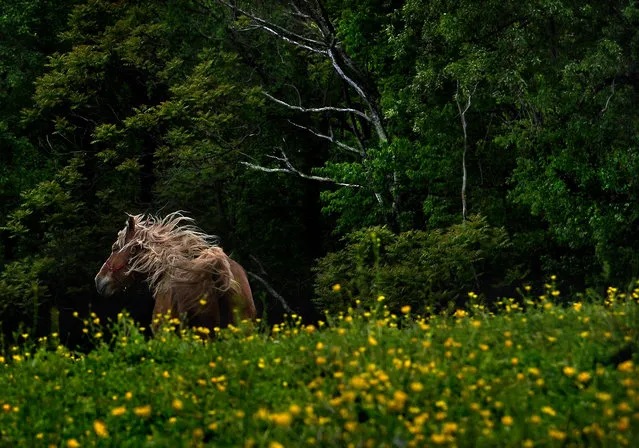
355, 116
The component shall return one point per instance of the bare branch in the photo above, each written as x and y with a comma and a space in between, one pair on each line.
264, 169
375, 119
462, 114
297, 12
290, 169
330, 138
612, 87
312, 15
259, 264
281, 32
271, 291
317, 109
49, 142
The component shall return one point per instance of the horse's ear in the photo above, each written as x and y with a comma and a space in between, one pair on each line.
130, 226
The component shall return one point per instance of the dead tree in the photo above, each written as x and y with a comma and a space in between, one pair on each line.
310, 29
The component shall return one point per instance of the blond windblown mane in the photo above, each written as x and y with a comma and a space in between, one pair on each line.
173, 250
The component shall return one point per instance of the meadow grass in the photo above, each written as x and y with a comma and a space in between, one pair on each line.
531, 374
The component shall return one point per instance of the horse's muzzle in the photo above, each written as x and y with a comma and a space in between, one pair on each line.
104, 286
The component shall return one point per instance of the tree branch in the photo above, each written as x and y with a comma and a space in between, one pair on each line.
271, 291
314, 17
330, 138
290, 169
462, 114
612, 87
317, 109
299, 41
268, 287
375, 118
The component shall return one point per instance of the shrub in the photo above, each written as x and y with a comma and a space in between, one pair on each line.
21, 293
426, 270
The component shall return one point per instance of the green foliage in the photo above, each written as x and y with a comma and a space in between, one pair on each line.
112, 107
368, 378
20, 286
23, 294
426, 270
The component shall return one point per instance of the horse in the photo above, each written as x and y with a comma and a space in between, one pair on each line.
188, 273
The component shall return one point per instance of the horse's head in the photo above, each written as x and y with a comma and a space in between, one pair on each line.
115, 275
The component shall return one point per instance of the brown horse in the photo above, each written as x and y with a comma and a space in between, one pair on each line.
189, 275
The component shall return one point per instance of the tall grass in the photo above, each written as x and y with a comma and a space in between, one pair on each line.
532, 374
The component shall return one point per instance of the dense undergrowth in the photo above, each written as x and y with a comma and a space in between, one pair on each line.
533, 374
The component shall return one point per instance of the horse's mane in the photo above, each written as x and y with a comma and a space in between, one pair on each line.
173, 250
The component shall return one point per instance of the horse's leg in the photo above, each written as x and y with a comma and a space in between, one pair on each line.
208, 318
205, 312
228, 308
163, 306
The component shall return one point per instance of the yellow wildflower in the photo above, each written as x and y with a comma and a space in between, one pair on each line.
583, 377
336, 287
626, 366
177, 404
535, 419
556, 434
569, 371
507, 420
358, 382
624, 407
603, 396
142, 411
460, 313
72, 443
623, 424
350, 426
406, 309
577, 306
283, 419
548, 410
100, 429
449, 427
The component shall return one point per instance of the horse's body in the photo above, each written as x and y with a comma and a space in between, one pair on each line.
189, 275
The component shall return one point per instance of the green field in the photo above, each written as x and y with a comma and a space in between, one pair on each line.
534, 373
